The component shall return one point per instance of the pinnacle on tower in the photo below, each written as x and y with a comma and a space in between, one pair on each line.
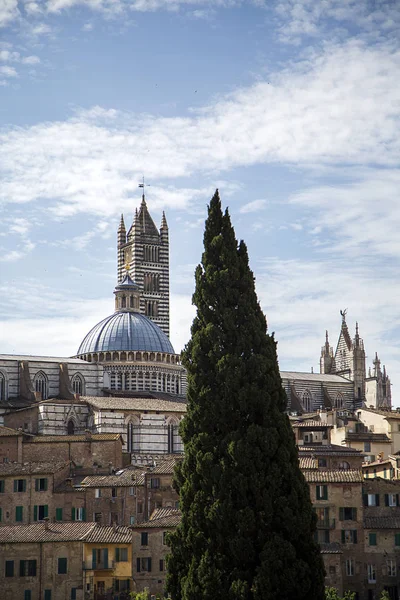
164, 224
121, 232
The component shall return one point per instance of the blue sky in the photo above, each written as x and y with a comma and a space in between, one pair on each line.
291, 108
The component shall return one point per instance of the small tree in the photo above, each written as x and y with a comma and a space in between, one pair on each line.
333, 594
247, 530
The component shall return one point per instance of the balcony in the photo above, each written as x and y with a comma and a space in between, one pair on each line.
98, 566
326, 524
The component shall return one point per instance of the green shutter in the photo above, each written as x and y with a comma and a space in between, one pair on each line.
105, 554
27, 595
397, 539
72, 514
46, 511
355, 536
386, 499
318, 493
15, 485
138, 564
1, 486
73, 593
1, 516
377, 499
354, 515
116, 554
59, 512
35, 513
149, 563
19, 513
341, 514
24, 485
343, 537
45, 485
94, 559
83, 514
36, 485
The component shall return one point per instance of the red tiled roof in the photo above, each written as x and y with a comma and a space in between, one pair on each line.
334, 476
40, 532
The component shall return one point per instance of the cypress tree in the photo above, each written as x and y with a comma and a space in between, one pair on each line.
247, 529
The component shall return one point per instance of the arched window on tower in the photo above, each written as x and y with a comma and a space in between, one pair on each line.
78, 384
70, 427
41, 384
307, 401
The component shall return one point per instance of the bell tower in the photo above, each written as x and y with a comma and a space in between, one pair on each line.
145, 251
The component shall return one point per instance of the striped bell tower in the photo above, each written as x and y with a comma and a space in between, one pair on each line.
145, 249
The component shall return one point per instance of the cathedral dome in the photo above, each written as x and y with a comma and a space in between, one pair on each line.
126, 331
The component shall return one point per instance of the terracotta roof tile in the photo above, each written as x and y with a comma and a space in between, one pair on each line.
8, 432
94, 437
331, 548
333, 476
162, 518
109, 535
152, 404
331, 449
382, 523
307, 462
31, 468
38, 532
310, 423
166, 467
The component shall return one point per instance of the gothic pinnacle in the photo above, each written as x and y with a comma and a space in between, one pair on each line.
164, 224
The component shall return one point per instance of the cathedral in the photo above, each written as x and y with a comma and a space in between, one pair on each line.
126, 377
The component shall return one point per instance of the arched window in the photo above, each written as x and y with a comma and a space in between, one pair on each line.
123, 301
3, 392
339, 401
307, 401
78, 384
70, 427
344, 465
41, 384
133, 435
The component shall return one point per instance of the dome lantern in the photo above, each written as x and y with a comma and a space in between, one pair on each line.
127, 295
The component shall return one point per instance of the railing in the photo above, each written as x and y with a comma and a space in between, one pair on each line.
326, 524
98, 566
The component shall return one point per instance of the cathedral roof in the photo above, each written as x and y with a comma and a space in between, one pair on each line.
127, 284
125, 331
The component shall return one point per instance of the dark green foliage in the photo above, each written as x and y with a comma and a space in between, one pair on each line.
332, 594
247, 527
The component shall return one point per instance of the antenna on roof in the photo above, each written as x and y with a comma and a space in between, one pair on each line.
143, 185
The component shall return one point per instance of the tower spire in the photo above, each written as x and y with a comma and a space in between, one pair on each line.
164, 224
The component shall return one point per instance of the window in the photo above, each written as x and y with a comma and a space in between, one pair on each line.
1, 514
2, 387
19, 485
347, 513
143, 564
391, 500
97, 517
391, 568
367, 446
97, 493
47, 594
161, 564
322, 492
59, 514
372, 539
140, 507
131, 491
100, 558
114, 492
78, 384
121, 554
154, 482
27, 568
2, 486
144, 538
41, 384
62, 566
350, 567
19, 514
371, 499
349, 536
27, 595
40, 485
9, 568
322, 462
132, 520
73, 593
78, 514
344, 465
164, 537
40, 512
122, 585
371, 574
397, 539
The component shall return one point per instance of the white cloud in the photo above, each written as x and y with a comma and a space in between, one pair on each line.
254, 206
8, 11
339, 106
8, 71
30, 60
87, 27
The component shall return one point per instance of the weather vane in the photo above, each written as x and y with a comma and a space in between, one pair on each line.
143, 185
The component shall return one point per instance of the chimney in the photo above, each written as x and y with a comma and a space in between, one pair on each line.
46, 523
110, 468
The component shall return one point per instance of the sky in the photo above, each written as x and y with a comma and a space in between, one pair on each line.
291, 108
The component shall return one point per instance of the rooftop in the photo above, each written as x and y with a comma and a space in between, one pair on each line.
161, 518
331, 449
382, 523
334, 476
166, 467
389, 414
93, 437
311, 424
7, 432
149, 404
109, 535
368, 436
32, 358
45, 532
308, 462
317, 377
128, 477
31, 468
